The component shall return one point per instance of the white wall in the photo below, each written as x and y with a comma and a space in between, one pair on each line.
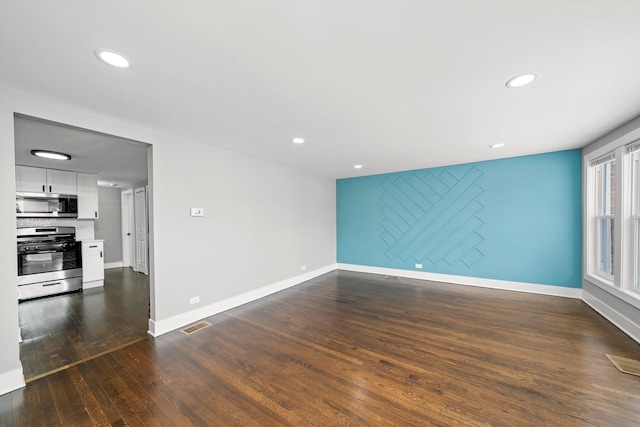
10, 367
262, 221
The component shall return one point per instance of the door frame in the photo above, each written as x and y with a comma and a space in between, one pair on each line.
15, 103
128, 252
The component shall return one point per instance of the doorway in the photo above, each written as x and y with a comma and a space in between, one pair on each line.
128, 229
65, 329
135, 229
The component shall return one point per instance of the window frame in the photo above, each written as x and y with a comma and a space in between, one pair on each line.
597, 192
626, 216
633, 176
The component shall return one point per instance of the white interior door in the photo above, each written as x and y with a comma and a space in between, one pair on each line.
128, 230
140, 196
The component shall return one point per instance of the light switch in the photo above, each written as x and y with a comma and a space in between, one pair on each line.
197, 212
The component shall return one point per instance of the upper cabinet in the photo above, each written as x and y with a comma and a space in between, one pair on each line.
38, 180
61, 182
31, 180
87, 196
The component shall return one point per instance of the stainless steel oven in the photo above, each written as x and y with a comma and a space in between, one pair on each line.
49, 261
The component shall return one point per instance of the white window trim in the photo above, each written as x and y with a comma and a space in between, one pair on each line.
625, 245
610, 279
633, 159
623, 283
593, 200
635, 220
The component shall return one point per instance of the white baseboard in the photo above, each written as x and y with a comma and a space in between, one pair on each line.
622, 322
12, 380
93, 284
108, 265
558, 291
157, 328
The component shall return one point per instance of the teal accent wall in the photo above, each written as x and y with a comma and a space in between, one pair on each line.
517, 219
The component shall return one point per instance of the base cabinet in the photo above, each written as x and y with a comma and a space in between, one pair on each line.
92, 264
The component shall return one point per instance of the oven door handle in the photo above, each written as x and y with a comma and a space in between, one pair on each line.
51, 284
41, 252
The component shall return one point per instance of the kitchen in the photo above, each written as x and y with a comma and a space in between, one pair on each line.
82, 260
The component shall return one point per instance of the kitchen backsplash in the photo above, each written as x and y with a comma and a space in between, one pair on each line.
84, 228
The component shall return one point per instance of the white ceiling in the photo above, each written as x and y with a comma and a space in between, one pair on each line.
394, 85
115, 160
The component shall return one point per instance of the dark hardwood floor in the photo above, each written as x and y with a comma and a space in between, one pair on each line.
357, 349
64, 329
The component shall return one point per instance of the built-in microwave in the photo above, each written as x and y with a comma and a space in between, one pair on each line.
46, 205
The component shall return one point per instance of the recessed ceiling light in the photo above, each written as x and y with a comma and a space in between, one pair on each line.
113, 58
357, 166
50, 155
297, 140
522, 80
500, 144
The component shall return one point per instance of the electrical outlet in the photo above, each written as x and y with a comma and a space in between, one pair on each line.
419, 266
194, 300
303, 268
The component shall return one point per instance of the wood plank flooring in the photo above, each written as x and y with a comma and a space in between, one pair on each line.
357, 349
64, 329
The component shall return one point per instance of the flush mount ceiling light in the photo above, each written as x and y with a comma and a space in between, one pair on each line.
113, 58
520, 81
297, 140
50, 155
357, 166
498, 145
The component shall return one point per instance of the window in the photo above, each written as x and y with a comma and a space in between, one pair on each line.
634, 154
605, 172
612, 220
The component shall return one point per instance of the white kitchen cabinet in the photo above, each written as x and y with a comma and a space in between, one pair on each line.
61, 182
31, 180
38, 180
87, 196
92, 263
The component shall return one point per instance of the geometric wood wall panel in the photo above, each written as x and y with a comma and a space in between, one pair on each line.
433, 218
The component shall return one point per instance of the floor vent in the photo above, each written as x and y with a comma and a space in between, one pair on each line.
195, 328
391, 277
628, 366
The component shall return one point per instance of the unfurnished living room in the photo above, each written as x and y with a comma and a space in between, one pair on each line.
316, 212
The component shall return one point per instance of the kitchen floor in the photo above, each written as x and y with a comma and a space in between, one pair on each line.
65, 329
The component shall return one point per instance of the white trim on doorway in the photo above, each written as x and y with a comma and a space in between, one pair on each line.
12, 380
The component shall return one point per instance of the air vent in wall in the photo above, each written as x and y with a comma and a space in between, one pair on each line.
628, 366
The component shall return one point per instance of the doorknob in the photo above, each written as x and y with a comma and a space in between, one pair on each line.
128, 234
